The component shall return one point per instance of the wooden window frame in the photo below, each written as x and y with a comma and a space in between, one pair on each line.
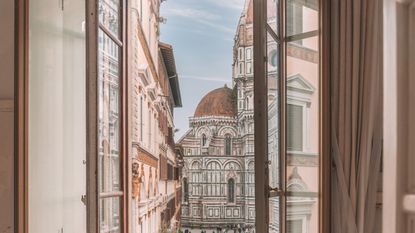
261, 28
21, 116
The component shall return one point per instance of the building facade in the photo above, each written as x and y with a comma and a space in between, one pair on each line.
155, 93
218, 176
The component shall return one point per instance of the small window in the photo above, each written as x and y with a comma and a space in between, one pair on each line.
141, 119
231, 190
295, 127
241, 54
294, 226
241, 68
204, 140
228, 148
249, 68
185, 190
248, 54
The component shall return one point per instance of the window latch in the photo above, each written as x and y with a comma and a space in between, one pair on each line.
274, 192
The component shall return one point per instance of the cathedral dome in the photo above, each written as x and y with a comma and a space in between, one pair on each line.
219, 102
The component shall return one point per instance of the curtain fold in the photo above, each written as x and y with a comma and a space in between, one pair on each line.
356, 113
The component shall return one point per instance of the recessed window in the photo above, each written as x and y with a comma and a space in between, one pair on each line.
241, 68
248, 54
231, 190
185, 190
294, 226
249, 68
204, 140
294, 127
241, 54
228, 142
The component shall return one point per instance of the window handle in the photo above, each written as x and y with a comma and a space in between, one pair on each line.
274, 192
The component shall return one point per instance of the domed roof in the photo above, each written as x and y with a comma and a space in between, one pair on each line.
218, 102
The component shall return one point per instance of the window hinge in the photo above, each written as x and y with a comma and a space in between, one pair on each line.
83, 199
274, 192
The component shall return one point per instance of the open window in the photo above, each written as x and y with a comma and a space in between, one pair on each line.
287, 115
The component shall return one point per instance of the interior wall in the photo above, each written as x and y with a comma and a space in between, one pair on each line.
6, 115
399, 110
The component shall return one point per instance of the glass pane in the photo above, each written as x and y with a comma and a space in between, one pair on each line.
110, 219
302, 16
108, 119
273, 111
57, 117
274, 215
273, 15
302, 136
109, 15
273, 129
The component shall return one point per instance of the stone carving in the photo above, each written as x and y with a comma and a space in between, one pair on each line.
149, 183
137, 180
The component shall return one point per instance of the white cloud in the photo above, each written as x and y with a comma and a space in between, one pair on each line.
200, 16
192, 13
213, 79
233, 4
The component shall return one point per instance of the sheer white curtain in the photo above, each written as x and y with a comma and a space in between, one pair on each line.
356, 113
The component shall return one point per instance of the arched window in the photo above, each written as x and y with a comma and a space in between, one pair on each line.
204, 140
231, 190
228, 145
185, 190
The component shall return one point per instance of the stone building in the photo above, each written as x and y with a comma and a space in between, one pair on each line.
155, 92
218, 171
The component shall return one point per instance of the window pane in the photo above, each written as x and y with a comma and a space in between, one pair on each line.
273, 15
110, 219
302, 16
108, 120
109, 15
273, 130
302, 135
56, 118
273, 111
274, 215
294, 127
295, 226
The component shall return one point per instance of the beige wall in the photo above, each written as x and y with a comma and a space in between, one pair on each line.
6, 114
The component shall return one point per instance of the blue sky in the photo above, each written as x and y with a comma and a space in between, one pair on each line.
201, 32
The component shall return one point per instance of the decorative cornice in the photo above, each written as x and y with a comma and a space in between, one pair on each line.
145, 157
302, 159
214, 120
303, 53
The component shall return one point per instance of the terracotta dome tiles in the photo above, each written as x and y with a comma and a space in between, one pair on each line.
218, 102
